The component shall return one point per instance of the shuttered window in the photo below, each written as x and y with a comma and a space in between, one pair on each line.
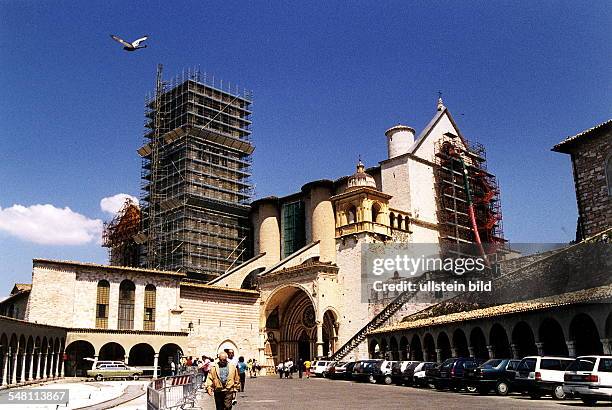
149, 308
102, 304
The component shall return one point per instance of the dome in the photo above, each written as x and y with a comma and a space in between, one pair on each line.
360, 178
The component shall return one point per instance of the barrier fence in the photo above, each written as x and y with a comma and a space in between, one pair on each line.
174, 392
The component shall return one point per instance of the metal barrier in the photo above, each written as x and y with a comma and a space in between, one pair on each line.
174, 392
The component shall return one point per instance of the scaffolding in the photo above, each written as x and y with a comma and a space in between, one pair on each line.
118, 236
462, 179
196, 176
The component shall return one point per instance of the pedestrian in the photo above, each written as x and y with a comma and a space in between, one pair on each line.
223, 381
172, 367
206, 366
242, 368
231, 358
288, 368
307, 368
249, 367
300, 367
281, 369
256, 368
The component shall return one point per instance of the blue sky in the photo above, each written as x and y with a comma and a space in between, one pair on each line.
328, 79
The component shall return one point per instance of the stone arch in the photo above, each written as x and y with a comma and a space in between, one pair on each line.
523, 340
429, 348
444, 346
583, 332
460, 344
394, 348
228, 344
416, 350
4, 349
400, 222
377, 215
29, 357
169, 353
392, 220
351, 214
141, 354
552, 338
76, 353
404, 348
112, 351
330, 327
478, 343
498, 340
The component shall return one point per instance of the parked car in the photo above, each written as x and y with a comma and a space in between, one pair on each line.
336, 370
497, 374
320, 367
539, 375
590, 378
397, 370
114, 371
348, 372
430, 375
364, 370
414, 375
452, 371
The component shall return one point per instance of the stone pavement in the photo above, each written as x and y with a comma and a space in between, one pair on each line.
311, 394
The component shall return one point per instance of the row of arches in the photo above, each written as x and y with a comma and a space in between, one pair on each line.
398, 221
508, 338
24, 359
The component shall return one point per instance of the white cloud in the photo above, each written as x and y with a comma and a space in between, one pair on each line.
112, 204
48, 225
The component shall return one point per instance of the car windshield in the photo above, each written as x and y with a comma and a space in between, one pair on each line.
447, 363
527, 364
413, 365
583, 364
491, 364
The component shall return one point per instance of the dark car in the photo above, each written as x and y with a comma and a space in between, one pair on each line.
451, 373
431, 375
336, 370
497, 374
397, 371
348, 372
367, 370
415, 373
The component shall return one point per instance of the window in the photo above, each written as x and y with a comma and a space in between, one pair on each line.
126, 305
351, 214
550, 364
584, 364
294, 235
605, 365
102, 304
149, 308
375, 212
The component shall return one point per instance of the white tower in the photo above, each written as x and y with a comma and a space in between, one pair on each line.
399, 140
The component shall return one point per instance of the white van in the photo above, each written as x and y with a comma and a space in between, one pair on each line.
539, 375
590, 378
320, 368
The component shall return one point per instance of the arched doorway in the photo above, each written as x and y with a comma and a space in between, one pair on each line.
374, 349
444, 346
404, 349
384, 348
416, 351
394, 347
460, 345
429, 348
112, 351
169, 353
141, 355
76, 352
552, 338
4, 349
498, 339
585, 336
523, 340
478, 343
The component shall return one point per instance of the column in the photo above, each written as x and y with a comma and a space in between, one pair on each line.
491, 350
438, 355
454, 352
93, 366
62, 364
540, 347
41, 361
155, 364
23, 365
607, 346
319, 340
472, 351
14, 375
50, 374
57, 365
31, 372
515, 351
571, 348
126, 358
44, 373
5, 369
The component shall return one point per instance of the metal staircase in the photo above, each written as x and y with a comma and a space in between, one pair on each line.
376, 322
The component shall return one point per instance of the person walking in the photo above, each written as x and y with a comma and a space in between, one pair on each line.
222, 383
300, 367
288, 368
281, 369
242, 368
231, 358
307, 368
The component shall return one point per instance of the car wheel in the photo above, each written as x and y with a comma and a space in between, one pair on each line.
589, 401
388, 380
535, 395
135, 377
558, 392
324, 374
502, 388
471, 389
371, 379
99, 377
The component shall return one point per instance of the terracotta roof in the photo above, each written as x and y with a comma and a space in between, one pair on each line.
21, 287
563, 145
570, 298
108, 267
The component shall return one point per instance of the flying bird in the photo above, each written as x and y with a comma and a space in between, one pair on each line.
134, 45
